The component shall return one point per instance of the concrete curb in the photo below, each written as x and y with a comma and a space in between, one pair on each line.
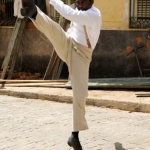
114, 104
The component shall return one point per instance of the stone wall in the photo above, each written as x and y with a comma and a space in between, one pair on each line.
110, 55
35, 49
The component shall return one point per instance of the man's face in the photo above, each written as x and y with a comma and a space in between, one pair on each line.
84, 4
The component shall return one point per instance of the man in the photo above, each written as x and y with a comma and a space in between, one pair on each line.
74, 47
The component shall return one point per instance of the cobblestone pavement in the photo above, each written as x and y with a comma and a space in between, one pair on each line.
27, 124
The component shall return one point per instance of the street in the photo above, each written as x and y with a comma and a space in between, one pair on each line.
28, 124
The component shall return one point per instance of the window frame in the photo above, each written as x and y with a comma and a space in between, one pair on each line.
135, 21
7, 17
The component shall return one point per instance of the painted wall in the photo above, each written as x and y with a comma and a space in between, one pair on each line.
115, 14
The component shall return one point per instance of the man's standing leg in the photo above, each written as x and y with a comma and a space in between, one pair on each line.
79, 80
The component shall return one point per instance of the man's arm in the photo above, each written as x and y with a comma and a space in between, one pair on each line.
81, 17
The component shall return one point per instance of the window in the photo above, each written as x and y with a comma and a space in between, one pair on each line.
54, 14
140, 14
7, 13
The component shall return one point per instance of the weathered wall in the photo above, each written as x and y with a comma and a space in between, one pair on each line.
35, 49
110, 56
4, 40
115, 14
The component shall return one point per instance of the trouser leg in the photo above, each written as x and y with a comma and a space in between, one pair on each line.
53, 31
79, 79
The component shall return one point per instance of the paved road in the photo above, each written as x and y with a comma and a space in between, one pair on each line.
27, 124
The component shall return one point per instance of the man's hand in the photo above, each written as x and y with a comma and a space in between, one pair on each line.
29, 8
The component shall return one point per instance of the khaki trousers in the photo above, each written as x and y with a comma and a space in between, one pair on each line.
77, 57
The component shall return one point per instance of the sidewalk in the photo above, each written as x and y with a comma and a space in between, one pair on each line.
116, 99
28, 124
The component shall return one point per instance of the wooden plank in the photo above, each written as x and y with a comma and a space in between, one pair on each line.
9, 50
59, 69
54, 75
47, 8
34, 85
143, 94
11, 46
51, 65
31, 81
15, 50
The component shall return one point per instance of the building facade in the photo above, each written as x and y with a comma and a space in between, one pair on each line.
123, 49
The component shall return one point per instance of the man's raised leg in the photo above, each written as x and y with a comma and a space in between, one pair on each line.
52, 30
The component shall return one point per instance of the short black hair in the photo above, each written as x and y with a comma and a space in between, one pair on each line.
91, 1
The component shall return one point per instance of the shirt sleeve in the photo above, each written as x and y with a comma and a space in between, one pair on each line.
74, 15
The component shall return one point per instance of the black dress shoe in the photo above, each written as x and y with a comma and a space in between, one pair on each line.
29, 8
75, 143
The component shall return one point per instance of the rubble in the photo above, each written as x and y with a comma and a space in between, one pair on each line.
25, 76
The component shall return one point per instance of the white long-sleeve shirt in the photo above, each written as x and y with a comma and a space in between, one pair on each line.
90, 18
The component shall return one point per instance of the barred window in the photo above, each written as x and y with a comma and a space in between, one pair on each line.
7, 17
54, 14
139, 14
7, 13
143, 9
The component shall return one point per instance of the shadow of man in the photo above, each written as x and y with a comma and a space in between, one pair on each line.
118, 146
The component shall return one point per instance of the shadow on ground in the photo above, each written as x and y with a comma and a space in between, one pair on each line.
118, 146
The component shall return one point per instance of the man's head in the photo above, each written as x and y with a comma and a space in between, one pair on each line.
84, 4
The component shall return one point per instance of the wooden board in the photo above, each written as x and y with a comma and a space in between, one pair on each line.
143, 94
31, 81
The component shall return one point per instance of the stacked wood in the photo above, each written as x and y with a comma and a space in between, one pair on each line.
32, 83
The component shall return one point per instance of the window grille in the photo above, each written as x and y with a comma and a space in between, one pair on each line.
54, 14
139, 14
143, 9
7, 13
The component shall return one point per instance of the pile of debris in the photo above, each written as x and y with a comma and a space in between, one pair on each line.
25, 76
